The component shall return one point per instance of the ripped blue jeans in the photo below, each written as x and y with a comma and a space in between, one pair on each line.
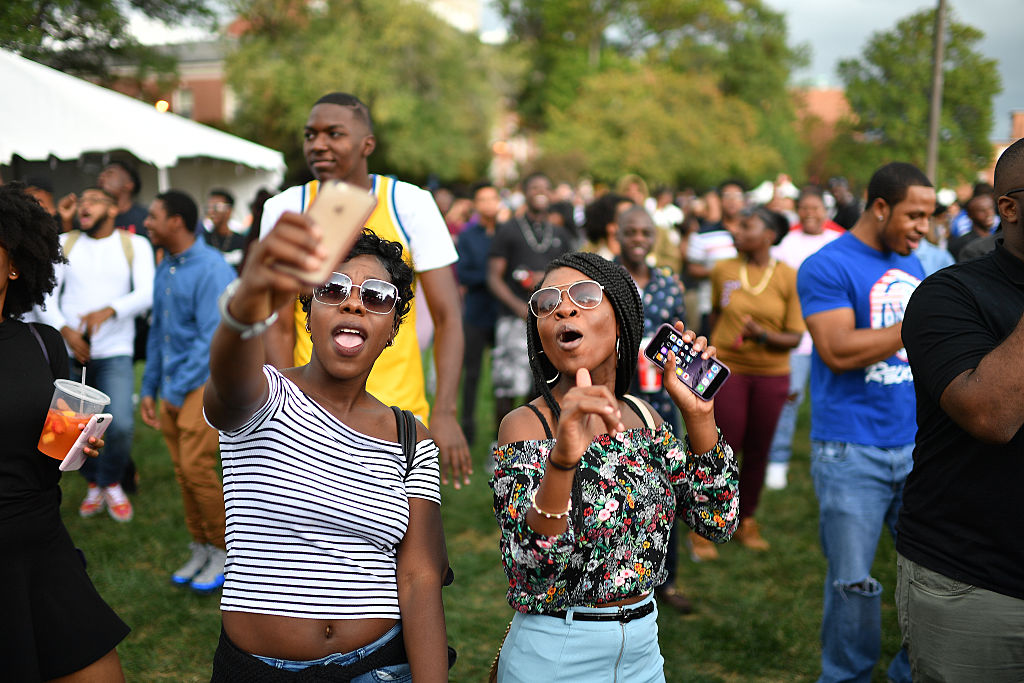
859, 490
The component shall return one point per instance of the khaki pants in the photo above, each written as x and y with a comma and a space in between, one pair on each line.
195, 452
956, 632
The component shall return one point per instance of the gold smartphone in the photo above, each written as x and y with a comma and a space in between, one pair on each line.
340, 210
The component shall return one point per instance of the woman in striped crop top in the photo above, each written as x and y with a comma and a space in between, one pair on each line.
336, 553
588, 481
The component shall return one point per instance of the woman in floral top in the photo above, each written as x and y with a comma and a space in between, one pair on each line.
588, 483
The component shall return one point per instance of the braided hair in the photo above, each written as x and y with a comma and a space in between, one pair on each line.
629, 313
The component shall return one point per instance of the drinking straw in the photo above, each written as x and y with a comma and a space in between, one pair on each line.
81, 397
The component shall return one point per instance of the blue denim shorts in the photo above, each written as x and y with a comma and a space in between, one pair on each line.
398, 673
543, 648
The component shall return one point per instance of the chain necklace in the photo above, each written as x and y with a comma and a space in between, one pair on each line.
531, 239
218, 241
765, 279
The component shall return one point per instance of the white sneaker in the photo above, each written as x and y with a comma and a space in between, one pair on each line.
775, 476
188, 571
212, 575
93, 503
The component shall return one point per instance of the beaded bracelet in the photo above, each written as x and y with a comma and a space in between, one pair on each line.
548, 515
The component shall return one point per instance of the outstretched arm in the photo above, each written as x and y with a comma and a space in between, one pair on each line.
237, 386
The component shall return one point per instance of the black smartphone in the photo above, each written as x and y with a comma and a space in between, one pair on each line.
703, 377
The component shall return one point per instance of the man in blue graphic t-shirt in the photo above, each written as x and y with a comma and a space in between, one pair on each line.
853, 292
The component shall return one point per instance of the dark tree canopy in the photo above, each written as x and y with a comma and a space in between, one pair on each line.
432, 89
85, 37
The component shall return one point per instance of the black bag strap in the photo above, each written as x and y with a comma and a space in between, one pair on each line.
406, 422
42, 344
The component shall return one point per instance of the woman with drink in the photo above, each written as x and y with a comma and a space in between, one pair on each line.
54, 622
336, 553
589, 481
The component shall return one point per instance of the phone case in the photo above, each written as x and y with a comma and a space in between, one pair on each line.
340, 210
703, 377
96, 425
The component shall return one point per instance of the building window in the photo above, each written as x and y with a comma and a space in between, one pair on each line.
184, 102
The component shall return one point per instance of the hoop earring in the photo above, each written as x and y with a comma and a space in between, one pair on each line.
307, 327
617, 351
554, 380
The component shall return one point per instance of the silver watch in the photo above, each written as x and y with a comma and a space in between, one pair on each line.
245, 331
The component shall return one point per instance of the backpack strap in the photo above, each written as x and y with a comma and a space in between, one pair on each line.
69, 243
126, 247
640, 408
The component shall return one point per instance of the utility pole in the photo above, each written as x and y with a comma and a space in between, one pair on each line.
936, 104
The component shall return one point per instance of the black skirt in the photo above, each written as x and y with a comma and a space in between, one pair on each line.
54, 622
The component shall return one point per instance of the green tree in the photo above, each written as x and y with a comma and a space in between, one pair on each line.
85, 37
434, 91
668, 127
889, 89
739, 46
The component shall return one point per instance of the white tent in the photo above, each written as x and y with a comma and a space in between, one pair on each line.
46, 114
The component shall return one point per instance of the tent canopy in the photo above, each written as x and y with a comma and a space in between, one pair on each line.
46, 113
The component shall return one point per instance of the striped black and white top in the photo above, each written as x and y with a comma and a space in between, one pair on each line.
315, 511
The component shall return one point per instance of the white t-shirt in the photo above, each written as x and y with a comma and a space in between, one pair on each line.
707, 249
96, 276
418, 217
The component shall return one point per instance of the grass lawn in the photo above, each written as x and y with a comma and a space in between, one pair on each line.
756, 618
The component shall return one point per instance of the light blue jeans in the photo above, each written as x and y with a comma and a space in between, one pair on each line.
543, 648
799, 374
860, 490
399, 673
115, 377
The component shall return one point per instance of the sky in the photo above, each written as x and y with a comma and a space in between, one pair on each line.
835, 30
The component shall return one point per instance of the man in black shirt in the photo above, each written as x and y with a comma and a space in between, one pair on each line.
120, 180
217, 229
960, 589
520, 251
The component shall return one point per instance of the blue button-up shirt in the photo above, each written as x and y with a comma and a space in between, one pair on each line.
185, 291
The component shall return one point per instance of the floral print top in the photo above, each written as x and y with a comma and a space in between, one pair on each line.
626, 494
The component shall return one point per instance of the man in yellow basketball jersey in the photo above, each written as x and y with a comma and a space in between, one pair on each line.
337, 140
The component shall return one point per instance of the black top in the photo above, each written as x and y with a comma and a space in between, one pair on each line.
133, 220
962, 503
29, 488
527, 246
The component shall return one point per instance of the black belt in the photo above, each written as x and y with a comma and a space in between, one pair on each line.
623, 615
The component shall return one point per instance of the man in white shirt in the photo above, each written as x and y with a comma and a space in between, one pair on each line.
106, 283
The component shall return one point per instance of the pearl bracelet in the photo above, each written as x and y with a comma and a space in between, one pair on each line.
548, 515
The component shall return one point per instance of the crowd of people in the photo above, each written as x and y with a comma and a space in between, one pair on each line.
310, 461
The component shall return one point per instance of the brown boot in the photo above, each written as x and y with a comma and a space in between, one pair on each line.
701, 549
749, 535
674, 599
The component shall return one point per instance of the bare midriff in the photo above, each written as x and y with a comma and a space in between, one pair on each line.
298, 638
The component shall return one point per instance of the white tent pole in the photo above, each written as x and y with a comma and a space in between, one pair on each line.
163, 179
